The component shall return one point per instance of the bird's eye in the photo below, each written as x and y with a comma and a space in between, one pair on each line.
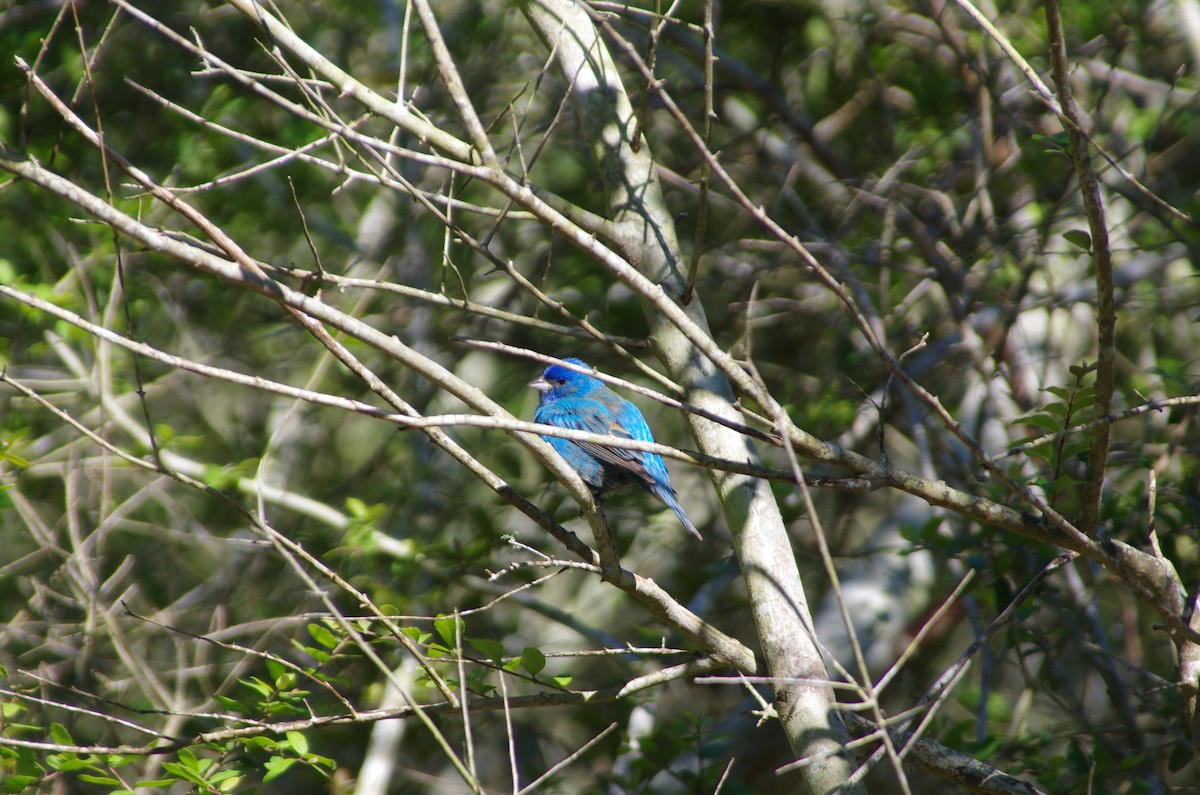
560, 381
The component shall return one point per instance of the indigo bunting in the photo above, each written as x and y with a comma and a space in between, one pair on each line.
582, 403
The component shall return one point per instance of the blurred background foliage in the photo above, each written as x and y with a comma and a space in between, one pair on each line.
892, 138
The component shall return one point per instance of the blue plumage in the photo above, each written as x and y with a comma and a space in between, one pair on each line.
579, 402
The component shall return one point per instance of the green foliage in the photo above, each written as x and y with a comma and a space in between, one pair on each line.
901, 145
690, 735
1064, 456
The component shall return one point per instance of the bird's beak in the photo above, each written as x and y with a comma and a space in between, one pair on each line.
540, 384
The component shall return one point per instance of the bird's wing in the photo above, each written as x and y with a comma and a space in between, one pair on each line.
594, 416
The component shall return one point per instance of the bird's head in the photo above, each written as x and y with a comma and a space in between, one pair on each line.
559, 382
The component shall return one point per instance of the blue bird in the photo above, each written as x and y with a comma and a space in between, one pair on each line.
579, 402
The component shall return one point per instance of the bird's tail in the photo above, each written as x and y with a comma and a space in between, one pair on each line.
667, 495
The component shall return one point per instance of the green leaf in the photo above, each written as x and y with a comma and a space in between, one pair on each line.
18, 783
1080, 238
1042, 452
214, 476
261, 743
60, 735
532, 660
299, 742
320, 655
1078, 371
17, 461
107, 781
232, 704
1059, 142
258, 686
1181, 756
416, 634
321, 761
492, 649
184, 772
277, 766
562, 680
1064, 483
1084, 399
276, 709
1077, 759
989, 746
1040, 420
230, 784
276, 669
322, 635
444, 625
1079, 448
